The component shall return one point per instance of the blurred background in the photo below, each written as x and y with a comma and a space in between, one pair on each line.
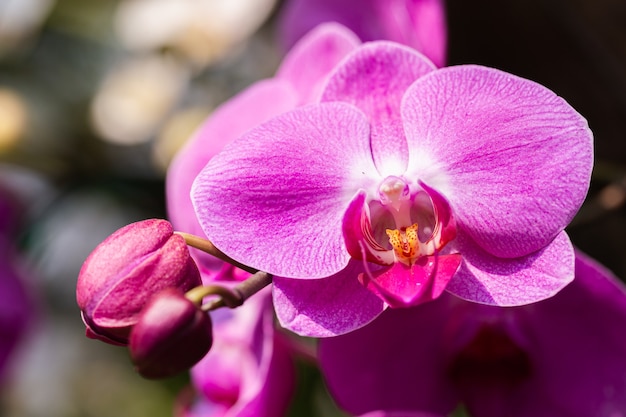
96, 97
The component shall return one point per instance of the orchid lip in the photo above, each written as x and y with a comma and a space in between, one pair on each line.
388, 229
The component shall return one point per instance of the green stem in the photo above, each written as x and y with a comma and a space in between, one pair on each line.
229, 297
207, 246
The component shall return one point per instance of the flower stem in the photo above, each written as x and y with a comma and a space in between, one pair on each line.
207, 246
229, 297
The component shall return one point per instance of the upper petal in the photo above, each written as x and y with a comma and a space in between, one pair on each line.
513, 159
274, 199
374, 78
309, 62
486, 279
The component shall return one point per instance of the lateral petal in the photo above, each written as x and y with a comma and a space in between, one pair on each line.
325, 307
486, 279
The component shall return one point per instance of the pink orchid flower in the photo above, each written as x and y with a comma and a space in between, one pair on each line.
420, 24
565, 356
401, 181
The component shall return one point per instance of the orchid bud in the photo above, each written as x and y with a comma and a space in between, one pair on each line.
171, 335
125, 271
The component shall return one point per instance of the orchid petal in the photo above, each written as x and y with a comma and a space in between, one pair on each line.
429, 34
405, 286
394, 363
579, 348
308, 63
383, 413
248, 369
268, 388
325, 307
374, 78
420, 24
486, 279
512, 158
282, 189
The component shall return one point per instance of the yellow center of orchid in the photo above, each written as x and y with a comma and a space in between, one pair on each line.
405, 243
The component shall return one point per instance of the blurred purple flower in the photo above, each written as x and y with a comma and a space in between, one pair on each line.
17, 300
420, 24
249, 370
398, 414
403, 181
125, 270
565, 356
16, 304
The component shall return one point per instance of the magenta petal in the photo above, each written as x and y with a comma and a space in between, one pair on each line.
399, 414
429, 33
512, 158
420, 24
404, 286
308, 63
275, 199
394, 363
325, 307
579, 348
249, 371
486, 279
374, 78
249, 108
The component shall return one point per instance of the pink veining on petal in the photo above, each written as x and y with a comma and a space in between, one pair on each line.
486, 279
325, 307
374, 78
512, 158
283, 214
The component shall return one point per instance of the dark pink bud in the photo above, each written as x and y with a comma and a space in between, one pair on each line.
125, 271
171, 336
